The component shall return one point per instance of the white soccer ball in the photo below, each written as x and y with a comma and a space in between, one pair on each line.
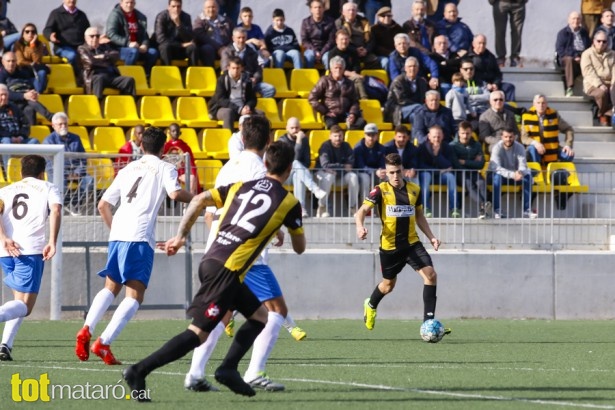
432, 331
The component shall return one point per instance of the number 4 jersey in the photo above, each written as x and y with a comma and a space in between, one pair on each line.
25, 206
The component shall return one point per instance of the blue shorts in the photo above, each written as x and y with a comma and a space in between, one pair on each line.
23, 273
262, 282
129, 261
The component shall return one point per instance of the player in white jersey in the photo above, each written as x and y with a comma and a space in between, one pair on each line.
25, 207
140, 188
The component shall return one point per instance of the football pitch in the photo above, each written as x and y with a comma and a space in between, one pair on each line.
483, 364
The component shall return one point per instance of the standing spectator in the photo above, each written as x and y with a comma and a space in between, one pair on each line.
591, 11
448, 62
132, 147
430, 114
255, 37
174, 35
335, 161
99, 70
406, 94
503, 11
317, 35
494, 120
402, 51
352, 63
478, 94
400, 144
29, 52
607, 25
369, 159
458, 100
14, 127
459, 34
177, 147
597, 67
212, 32
230, 9
361, 38
282, 42
127, 31
486, 68
384, 32
571, 41
420, 30
8, 31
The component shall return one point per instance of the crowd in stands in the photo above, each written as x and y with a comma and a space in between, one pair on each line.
431, 78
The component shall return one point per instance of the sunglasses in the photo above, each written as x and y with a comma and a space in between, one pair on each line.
600, 41
386, 15
30, 31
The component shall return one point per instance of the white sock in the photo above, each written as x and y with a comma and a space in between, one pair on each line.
125, 311
263, 345
201, 354
12, 310
10, 331
100, 304
289, 323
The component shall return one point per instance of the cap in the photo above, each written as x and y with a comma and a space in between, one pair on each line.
371, 128
383, 10
243, 118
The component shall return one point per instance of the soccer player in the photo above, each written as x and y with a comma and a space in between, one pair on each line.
253, 212
25, 207
141, 187
401, 209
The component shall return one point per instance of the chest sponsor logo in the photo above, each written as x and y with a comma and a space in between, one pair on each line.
399, 211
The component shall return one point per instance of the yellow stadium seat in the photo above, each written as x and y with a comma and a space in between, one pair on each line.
386, 136
277, 134
300, 108
353, 137
192, 112
574, 185
108, 140
379, 73
372, 112
189, 136
53, 102
13, 170
40, 132
538, 176
167, 80
62, 80
102, 170
50, 58
201, 81
3, 181
157, 111
215, 142
121, 110
277, 78
207, 170
85, 110
316, 138
302, 80
138, 73
270, 108
84, 136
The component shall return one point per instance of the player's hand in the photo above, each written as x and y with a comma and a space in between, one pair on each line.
11, 247
361, 232
435, 242
173, 245
49, 251
279, 238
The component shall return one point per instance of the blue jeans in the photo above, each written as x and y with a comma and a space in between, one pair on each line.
310, 59
408, 111
70, 54
131, 55
264, 89
279, 57
384, 62
10, 39
498, 180
7, 140
426, 178
536, 157
40, 82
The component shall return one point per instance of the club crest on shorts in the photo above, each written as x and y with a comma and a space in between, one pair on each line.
212, 311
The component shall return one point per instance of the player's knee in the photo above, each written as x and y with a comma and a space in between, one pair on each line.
386, 286
431, 277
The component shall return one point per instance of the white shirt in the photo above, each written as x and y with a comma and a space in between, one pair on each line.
140, 186
235, 145
26, 207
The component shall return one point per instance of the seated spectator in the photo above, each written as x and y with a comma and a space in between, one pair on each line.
14, 127
235, 143
458, 100
406, 94
282, 42
351, 59
99, 70
230, 9
335, 161
397, 59
249, 58
174, 36
470, 158
435, 9
335, 98
176, 148
20, 82
132, 147
384, 32
75, 168
507, 165
369, 160
597, 67
459, 34
478, 94
317, 35
436, 161
300, 176
8, 31
486, 68
494, 120
30, 52
370, 8
430, 114
420, 30
448, 63
361, 38
591, 11
571, 41
407, 151
607, 24
212, 32
255, 37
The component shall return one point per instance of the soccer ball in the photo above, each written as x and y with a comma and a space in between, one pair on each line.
432, 331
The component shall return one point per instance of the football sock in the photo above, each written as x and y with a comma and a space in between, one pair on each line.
375, 298
125, 311
100, 304
12, 310
243, 340
289, 324
201, 354
10, 331
263, 345
429, 300
172, 350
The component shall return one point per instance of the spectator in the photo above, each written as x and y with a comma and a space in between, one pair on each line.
486, 68
504, 10
591, 10
402, 51
75, 168
333, 8
234, 95
29, 52
8, 31
317, 35
352, 65
571, 41
250, 62
369, 159
448, 62
65, 28
494, 120
235, 143
478, 94
132, 147
230, 9
177, 148
597, 67
174, 35
458, 100
361, 38
407, 151
507, 165
607, 25
212, 32
127, 31
430, 114
99, 70
255, 37
14, 127
436, 161
334, 97
459, 34
282, 42
384, 32
435, 9
300, 176
470, 158
406, 94
371, 9
335, 161
420, 30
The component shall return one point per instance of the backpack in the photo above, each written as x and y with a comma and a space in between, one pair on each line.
375, 89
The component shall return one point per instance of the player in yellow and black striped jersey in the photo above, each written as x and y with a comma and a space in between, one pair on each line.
401, 211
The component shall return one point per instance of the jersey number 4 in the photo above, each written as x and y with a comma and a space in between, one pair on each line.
242, 219
133, 191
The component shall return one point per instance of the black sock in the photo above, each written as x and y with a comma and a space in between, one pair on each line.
375, 298
172, 350
429, 301
242, 342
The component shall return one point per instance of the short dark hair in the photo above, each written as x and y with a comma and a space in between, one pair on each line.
509, 130
153, 140
392, 159
176, 1
465, 125
246, 10
403, 129
335, 129
278, 13
235, 60
279, 157
32, 166
255, 131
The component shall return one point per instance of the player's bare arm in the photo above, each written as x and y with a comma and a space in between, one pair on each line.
106, 214
9, 244
194, 210
55, 220
298, 242
423, 225
359, 219
182, 196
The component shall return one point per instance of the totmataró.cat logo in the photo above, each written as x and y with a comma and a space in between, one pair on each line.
400, 211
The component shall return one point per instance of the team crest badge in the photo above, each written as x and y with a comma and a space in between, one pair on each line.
212, 311
263, 185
